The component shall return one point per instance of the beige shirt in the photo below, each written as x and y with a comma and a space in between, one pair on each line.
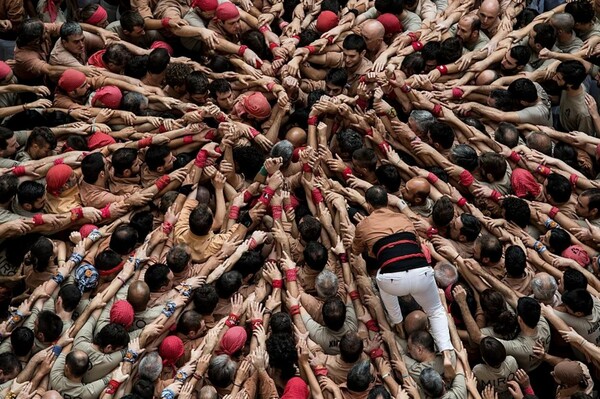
379, 224
65, 387
328, 339
521, 348
497, 377
61, 56
589, 326
538, 114
30, 61
574, 114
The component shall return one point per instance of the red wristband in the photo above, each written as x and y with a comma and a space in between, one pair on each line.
553, 211
573, 179
343, 258
242, 50
462, 201
437, 110
167, 227
162, 128
466, 178
277, 283
372, 325
514, 157
252, 244
294, 310
443, 69
162, 182
78, 212
201, 159
369, 132
412, 36
384, 146
59, 161
19, 171
112, 387
188, 139
311, 49
247, 196
165, 22
143, 143
234, 212
38, 219
405, 88
543, 170
417, 46
306, 168
375, 353
431, 232
273, 45
254, 132
354, 295
106, 212
297, 37
495, 196
263, 29
330, 39
317, 196
290, 275
255, 323
347, 173
432, 178
313, 120
277, 211
457, 92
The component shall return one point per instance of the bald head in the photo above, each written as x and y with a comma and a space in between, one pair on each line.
416, 190
296, 136
208, 392
52, 395
373, 32
563, 22
415, 321
489, 12
138, 295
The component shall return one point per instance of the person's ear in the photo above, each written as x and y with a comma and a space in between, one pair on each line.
27, 207
594, 213
489, 177
127, 173
462, 238
485, 260
363, 53
418, 200
161, 169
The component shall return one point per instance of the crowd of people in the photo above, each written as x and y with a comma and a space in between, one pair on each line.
326, 199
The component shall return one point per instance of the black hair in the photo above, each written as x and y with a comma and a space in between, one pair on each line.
442, 134
112, 334
157, 276
492, 351
443, 212
516, 210
516, 261
201, 220
465, 156
50, 325
573, 73
196, 83
574, 279
130, 19
70, 295
491, 247
337, 77
249, 263
21, 341
137, 67
376, 196
558, 187
123, 239
309, 228
91, 167
205, 299
155, 156
334, 313
388, 176
354, 42
529, 310
471, 226
248, 160
523, 89
315, 255
450, 51
579, 300
228, 284
41, 135
142, 222
123, 159
507, 134
351, 347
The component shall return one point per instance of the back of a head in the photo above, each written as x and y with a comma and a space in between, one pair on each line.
492, 351
351, 347
50, 325
445, 274
442, 134
205, 299
143, 389
221, 371
150, 366
123, 239
201, 220
573, 73
157, 276
432, 383
9, 364
359, 377
579, 301
326, 284
228, 284
77, 361
516, 261
529, 310
334, 313
379, 392
516, 210
310, 228
507, 134
523, 89
573, 279
521, 54
315, 255
376, 196
544, 287
443, 212
138, 295
388, 176
21, 341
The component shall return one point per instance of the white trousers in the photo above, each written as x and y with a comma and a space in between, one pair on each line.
420, 284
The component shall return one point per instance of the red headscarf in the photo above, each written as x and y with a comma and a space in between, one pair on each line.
4, 70
109, 95
295, 388
256, 104
205, 5
71, 79
57, 177
122, 313
171, 349
227, 11
578, 254
99, 140
233, 340
524, 184
326, 21
96, 59
97, 16
161, 44
390, 22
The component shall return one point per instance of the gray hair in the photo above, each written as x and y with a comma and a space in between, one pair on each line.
283, 149
464, 156
563, 21
432, 383
359, 376
134, 102
445, 274
423, 119
221, 371
326, 284
544, 287
208, 392
70, 28
150, 366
